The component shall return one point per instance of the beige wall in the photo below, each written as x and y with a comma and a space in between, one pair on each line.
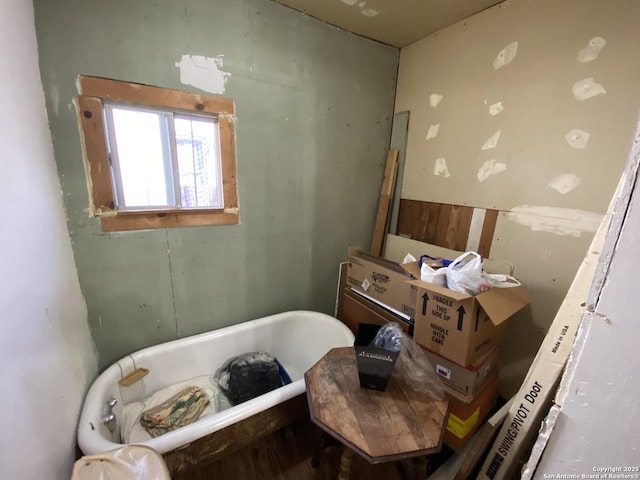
588, 392
562, 140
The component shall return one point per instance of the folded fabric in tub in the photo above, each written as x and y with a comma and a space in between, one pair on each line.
132, 413
178, 411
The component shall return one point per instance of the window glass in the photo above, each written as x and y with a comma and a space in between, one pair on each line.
197, 148
140, 156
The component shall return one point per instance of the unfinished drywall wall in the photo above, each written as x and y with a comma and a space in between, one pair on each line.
313, 113
596, 401
47, 358
527, 108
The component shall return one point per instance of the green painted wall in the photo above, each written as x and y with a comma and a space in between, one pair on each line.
314, 107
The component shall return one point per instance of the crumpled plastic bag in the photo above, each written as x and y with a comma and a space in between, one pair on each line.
249, 375
465, 274
413, 366
428, 273
437, 276
388, 337
409, 258
500, 281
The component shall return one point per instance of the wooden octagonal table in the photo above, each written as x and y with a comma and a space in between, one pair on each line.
395, 425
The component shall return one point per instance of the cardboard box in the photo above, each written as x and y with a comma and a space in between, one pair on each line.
382, 280
465, 381
462, 327
466, 418
357, 309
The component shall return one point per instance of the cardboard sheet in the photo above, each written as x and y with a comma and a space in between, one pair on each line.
533, 400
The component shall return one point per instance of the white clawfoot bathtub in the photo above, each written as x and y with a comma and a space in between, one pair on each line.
297, 339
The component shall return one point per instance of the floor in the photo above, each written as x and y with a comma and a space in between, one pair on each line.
286, 455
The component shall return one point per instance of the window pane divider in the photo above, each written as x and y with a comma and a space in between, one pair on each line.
174, 160
113, 156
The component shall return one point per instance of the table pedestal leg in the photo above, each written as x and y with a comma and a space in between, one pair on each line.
413, 468
318, 454
345, 463
421, 467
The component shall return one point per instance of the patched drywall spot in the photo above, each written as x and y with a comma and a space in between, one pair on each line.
490, 167
349, 2
440, 168
592, 50
495, 108
564, 183
54, 95
435, 99
491, 142
587, 88
369, 12
506, 55
433, 131
560, 221
203, 73
362, 4
577, 138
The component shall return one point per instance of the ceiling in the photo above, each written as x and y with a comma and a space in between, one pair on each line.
394, 22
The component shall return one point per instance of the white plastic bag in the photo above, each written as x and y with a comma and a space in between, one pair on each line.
464, 274
437, 276
409, 258
500, 281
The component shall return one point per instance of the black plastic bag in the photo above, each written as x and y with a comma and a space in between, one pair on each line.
248, 376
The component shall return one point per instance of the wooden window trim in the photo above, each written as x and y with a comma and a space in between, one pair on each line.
93, 91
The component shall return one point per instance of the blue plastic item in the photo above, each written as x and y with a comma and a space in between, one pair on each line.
445, 262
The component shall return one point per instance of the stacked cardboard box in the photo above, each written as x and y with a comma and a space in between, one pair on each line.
464, 383
461, 332
356, 309
383, 281
465, 418
462, 327
455, 325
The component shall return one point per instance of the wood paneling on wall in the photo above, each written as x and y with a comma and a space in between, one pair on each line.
446, 225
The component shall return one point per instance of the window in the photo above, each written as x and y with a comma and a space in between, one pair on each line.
157, 157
